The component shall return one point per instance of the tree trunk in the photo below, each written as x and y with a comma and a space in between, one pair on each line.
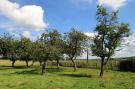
13, 63
58, 64
44, 64
102, 68
43, 67
87, 56
27, 63
74, 64
40, 63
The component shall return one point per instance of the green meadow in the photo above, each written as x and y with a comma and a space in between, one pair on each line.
21, 77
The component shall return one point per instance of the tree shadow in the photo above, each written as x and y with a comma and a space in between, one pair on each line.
20, 67
77, 75
5, 68
36, 71
15, 67
28, 72
126, 71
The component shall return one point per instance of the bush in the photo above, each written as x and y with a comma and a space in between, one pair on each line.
127, 65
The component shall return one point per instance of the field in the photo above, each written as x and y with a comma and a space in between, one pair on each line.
30, 78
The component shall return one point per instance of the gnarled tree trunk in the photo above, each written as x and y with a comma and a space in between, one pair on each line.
58, 64
102, 68
43, 69
74, 64
27, 63
87, 56
40, 63
13, 63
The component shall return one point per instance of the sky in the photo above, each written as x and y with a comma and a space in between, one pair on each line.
30, 18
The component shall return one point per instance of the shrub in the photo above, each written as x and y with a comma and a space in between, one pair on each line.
127, 65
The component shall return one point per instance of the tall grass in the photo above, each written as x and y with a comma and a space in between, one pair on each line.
93, 64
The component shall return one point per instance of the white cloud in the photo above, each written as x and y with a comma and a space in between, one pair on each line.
115, 4
129, 49
28, 16
90, 34
26, 34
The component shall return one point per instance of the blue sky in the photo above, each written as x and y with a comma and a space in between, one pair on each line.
65, 14
31, 17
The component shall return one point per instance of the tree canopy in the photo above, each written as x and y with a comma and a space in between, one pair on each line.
110, 34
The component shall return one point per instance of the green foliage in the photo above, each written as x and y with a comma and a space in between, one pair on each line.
5, 42
25, 49
109, 35
127, 65
9, 47
74, 43
52, 43
13, 50
50, 47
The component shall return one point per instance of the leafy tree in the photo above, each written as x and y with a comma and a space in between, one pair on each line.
56, 42
50, 43
25, 52
4, 44
41, 54
74, 44
13, 51
35, 50
46, 50
9, 47
109, 35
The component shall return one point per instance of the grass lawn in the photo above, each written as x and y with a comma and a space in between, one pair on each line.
65, 78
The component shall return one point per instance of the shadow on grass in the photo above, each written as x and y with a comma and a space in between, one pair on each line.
20, 67
133, 71
77, 75
37, 71
5, 68
31, 72
15, 67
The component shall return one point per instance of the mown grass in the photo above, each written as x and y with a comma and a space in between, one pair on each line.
29, 78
